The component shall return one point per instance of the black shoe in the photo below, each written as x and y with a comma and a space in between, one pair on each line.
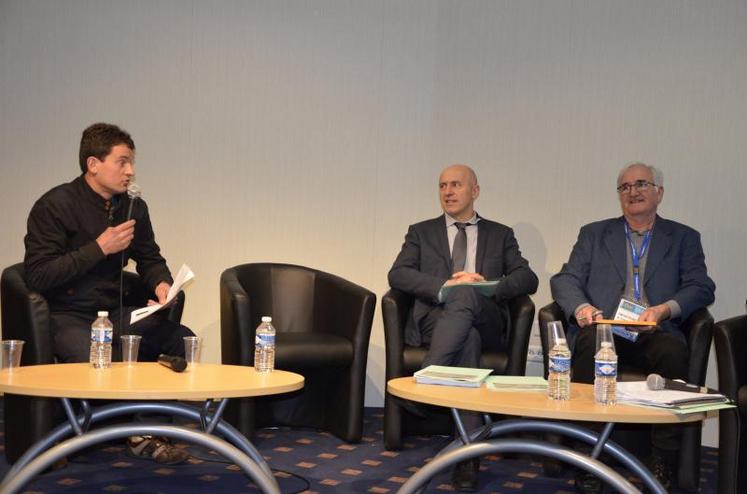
587, 483
661, 470
464, 475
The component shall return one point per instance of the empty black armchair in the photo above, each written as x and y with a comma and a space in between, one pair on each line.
698, 329
730, 338
404, 360
25, 316
323, 325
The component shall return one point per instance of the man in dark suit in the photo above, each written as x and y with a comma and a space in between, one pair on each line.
640, 261
456, 248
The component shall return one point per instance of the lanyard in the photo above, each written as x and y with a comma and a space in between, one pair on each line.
636, 258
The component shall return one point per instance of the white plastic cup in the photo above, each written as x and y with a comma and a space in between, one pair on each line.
130, 347
192, 349
554, 333
604, 333
11, 356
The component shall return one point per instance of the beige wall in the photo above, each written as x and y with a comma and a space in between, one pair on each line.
312, 132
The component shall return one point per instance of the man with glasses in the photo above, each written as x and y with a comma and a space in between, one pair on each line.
642, 265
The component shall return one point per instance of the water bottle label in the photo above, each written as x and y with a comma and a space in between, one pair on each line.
560, 364
605, 368
264, 340
101, 335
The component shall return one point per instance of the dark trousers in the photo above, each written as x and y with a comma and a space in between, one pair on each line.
72, 335
456, 331
658, 352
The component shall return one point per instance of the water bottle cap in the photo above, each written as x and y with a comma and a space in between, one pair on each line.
266, 319
103, 313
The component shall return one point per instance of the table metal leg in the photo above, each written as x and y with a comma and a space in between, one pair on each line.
221, 427
265, 483
527, 446
515, 426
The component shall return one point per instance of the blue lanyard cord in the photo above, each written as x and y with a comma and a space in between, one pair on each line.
636, 257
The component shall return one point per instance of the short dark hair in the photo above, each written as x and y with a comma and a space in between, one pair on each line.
99, 139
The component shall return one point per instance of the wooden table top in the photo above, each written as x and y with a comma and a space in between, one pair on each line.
534, 404
146, 381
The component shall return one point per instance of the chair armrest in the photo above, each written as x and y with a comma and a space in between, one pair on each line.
729, 338
136, 294
344, 309
395, 309
699, 330
237, 333
25, 316
521, 310
548, 313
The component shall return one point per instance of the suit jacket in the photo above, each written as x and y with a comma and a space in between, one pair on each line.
597, 270
424, 265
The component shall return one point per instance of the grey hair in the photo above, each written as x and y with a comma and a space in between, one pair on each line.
658, 175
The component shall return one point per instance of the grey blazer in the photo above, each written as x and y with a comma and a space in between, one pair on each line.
597, 270
424, 264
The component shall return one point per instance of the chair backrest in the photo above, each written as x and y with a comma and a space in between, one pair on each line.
285, 292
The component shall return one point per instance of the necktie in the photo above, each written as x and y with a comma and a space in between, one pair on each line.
459, 251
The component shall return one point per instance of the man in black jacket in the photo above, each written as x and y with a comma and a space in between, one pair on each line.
78, 240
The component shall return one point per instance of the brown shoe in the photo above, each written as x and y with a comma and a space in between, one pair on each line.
158, 449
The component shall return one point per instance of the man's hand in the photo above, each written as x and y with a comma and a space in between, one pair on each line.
464, 277
587, 315
162, 290
116, 238
656, 314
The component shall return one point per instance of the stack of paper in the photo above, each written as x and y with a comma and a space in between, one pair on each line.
516, 383
638, 393
452, 376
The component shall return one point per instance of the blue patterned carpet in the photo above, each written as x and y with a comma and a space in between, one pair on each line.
305, 461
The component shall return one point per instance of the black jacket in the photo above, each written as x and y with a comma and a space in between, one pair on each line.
63, 260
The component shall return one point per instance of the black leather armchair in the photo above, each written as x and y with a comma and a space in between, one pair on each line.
698, 329
404, 360
323, 325
25, 316
730, 337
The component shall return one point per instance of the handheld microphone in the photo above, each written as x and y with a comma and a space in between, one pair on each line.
176, 364
656, 382
133, 192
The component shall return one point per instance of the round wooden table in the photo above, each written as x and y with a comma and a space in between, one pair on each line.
142, 387
535, 405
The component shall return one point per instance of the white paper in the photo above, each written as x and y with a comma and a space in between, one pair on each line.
638, 392
183, 277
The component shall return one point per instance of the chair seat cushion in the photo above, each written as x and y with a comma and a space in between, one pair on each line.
414, 355
310, 350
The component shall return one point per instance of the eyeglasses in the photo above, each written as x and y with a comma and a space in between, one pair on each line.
638, 185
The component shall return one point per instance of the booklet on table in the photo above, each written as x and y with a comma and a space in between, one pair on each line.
452, 376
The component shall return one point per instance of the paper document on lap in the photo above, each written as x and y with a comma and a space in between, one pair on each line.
484, 288
184, 276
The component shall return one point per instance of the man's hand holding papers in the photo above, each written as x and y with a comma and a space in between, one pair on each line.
184, 276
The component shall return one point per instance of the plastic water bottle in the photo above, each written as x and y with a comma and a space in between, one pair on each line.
264, 346
101, 341
605, 372
559, 375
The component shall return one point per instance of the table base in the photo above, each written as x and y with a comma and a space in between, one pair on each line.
235, 447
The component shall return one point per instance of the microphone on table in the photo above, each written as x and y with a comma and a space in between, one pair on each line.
133, 192
176, 364
656, 382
